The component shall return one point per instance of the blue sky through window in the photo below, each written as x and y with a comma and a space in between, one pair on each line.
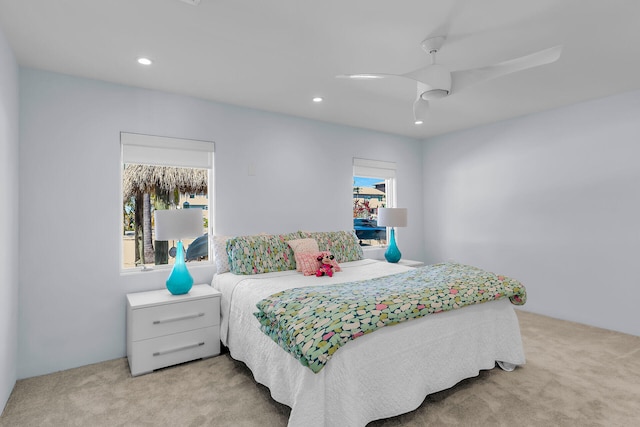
359, 181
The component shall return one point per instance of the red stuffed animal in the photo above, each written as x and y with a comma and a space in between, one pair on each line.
326, 267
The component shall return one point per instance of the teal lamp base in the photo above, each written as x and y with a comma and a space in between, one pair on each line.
180, 280
392, 254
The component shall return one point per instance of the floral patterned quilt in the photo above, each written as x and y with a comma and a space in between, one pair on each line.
311, 323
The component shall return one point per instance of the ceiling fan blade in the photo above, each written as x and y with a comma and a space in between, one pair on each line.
464, 78
367, 76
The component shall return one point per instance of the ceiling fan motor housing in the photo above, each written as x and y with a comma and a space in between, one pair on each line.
430, 95
438, 82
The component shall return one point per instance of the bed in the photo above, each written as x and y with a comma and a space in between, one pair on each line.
378, 375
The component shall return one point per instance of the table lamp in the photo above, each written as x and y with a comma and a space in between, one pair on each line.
392, 217
178, 224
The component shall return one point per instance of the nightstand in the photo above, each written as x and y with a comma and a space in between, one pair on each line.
165, 329
411, 263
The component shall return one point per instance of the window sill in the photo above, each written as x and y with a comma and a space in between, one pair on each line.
166, 268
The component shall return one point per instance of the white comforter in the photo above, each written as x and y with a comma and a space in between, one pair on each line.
378, 375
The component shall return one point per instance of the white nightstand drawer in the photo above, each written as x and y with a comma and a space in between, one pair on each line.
165, 329
151, 322
156, 353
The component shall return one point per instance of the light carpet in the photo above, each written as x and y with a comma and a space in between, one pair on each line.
575, 375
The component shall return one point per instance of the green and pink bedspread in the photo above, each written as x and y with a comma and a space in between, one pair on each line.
312, 322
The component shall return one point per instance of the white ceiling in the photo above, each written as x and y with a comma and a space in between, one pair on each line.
276, 55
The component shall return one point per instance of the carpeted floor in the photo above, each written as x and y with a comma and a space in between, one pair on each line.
575, 375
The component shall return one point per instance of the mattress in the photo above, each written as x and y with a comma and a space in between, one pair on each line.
378, 375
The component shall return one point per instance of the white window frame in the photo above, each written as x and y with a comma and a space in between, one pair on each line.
369, 168
167, 151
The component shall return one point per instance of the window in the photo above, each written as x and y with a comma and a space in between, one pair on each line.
373, 188
163, 173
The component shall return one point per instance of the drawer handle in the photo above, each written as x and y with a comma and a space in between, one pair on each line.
173, 350
175, 319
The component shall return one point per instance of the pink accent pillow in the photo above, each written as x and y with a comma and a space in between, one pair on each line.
303, 245
309, 264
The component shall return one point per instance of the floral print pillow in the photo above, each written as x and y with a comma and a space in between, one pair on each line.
261, 253
344, 245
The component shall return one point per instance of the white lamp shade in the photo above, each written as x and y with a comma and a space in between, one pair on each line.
392, 217
178, 224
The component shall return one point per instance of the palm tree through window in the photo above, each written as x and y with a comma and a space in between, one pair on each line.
162, 173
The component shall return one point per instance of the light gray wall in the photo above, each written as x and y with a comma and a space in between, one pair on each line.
72, 299
551, 199
8, 220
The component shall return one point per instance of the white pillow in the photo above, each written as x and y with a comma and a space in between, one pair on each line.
220, 253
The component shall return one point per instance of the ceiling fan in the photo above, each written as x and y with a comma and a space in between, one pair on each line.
436, 81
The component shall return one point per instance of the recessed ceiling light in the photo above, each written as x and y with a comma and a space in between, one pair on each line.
144, 61
317, 99
418, 122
